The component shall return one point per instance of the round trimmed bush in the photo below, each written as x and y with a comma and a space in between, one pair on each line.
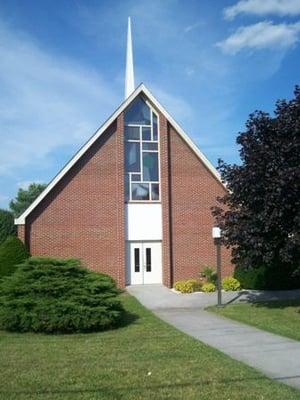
188, 286
208, 287
230, 283
7, 225
58, 296
251, 278
12, 253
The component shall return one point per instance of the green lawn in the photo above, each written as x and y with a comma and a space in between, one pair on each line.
281, 317
145, 359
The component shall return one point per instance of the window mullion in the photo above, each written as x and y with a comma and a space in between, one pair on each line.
141, 155
151, 119
130, 195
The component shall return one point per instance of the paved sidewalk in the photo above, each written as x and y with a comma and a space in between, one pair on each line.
276, 356
159, 296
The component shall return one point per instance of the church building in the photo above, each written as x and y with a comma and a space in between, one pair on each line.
134, 202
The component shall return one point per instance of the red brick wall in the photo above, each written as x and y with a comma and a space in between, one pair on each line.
165, 200
83, 216
192, 192
21, 232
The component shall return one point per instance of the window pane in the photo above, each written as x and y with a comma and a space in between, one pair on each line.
140, 191
154, 191
132, 133
150, 146
132, 157
150, 166
136, 177
155, 131
148, 259
138, 113
137, 260
146, 133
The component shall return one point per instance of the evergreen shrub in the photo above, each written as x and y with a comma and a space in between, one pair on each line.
12, 253
7, 225
251, 278
58, 296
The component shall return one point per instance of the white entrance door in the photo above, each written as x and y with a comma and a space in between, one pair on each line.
144, 264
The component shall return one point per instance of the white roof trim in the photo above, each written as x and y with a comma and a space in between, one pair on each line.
98, 133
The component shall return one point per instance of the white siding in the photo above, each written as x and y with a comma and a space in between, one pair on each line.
143, 221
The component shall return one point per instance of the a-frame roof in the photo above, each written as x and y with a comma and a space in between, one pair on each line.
140, 89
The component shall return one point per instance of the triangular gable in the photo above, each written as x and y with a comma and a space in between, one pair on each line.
140, 89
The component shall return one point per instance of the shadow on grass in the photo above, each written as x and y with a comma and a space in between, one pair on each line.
128, 318
118, 393
237, 297
278, 304
270, 299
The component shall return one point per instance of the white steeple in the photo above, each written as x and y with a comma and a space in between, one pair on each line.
129, 74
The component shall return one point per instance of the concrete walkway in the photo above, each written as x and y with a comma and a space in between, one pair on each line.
276, 356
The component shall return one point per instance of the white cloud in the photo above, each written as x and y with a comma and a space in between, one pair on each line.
262, 35
191, 27
46, 102
263, 7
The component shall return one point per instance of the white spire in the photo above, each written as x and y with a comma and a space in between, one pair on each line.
129, 75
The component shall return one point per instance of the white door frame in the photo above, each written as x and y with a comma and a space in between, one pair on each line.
143, 262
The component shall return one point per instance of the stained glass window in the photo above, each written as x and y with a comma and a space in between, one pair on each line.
132, 157
140, 191
141, 152
138, 113
150, 166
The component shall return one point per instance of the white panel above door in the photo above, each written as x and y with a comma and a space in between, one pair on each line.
143, 221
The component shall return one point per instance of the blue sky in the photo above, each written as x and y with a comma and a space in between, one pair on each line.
210, 63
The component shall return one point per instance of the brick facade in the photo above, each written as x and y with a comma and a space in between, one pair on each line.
192, 191
84, 215
165, 200
21, 232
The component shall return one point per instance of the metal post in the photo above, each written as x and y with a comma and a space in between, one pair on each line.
219, 276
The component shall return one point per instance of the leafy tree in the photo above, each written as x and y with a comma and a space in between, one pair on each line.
25, 197
7, 226
260, 215
54, 295
12, 253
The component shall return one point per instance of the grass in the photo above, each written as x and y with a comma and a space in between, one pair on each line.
280, 317
144, 359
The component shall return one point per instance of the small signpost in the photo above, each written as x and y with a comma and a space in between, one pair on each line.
216, 234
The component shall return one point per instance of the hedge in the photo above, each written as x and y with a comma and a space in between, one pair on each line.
261, 278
